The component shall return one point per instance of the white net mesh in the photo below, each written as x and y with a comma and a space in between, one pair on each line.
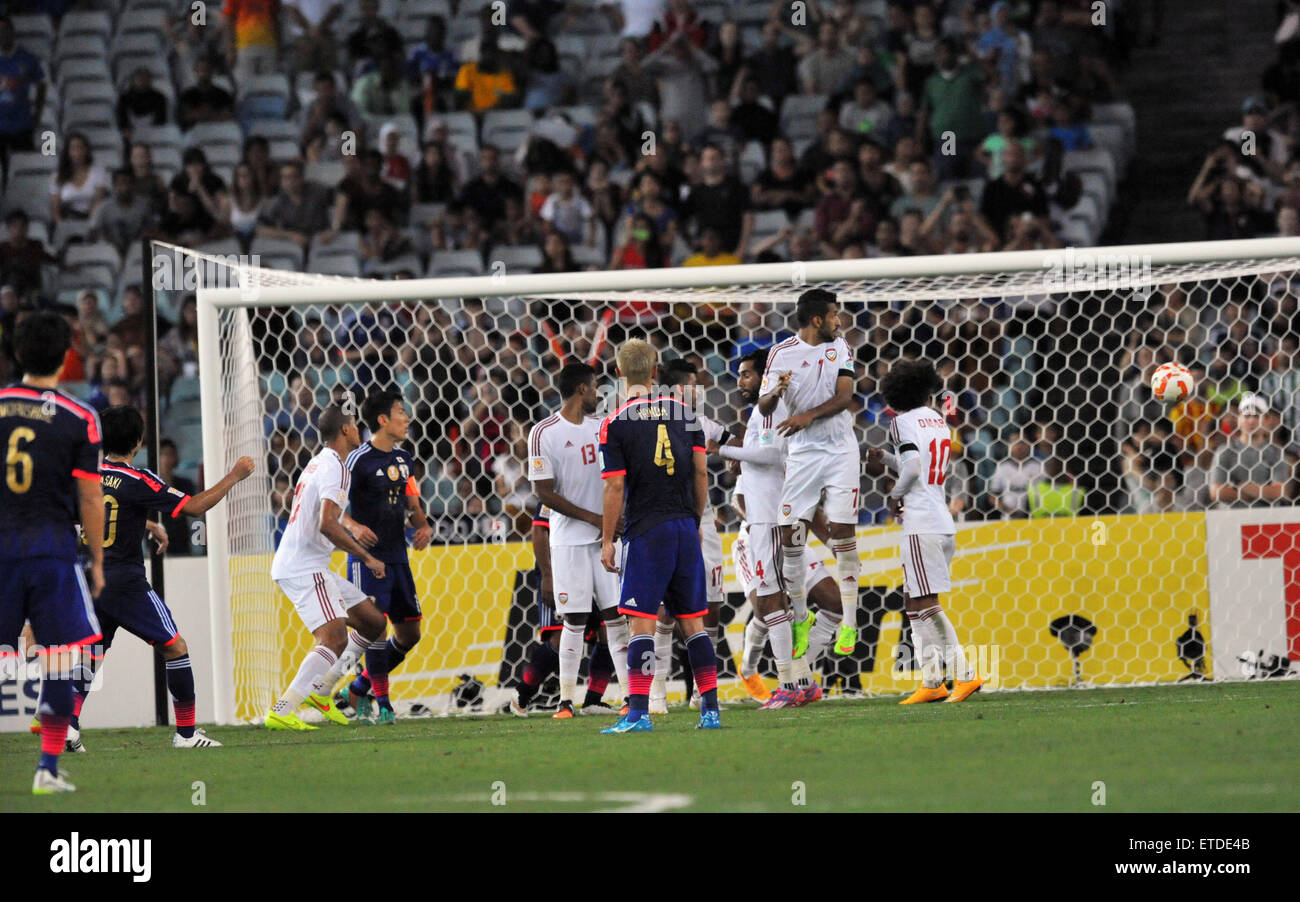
1095, 542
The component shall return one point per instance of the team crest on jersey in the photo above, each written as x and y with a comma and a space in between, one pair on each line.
785, 510
537, 463
393, 472
830, 354
563, 597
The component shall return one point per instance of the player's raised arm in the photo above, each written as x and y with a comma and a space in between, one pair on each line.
768, 399
90, 494
204, 501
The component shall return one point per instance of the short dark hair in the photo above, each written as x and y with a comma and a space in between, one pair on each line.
909, 384
572, 377
675, 371
168, 443
813, 303
331, 422
758, 357
379, 404
122, 428
194, 155
18, 214
41, 341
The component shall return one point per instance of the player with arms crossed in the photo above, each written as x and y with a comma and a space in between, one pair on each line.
563, 467
128, 601
812, 373
51, 448
652, 460
921, 440
326, 602
382, 495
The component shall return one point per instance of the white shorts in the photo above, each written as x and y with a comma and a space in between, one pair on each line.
711, 546
927, 558
321, 597
758, 549
809, 474
578, 577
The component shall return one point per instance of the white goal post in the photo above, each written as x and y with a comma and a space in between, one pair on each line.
231, 399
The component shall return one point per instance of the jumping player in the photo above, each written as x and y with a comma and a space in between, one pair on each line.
327, 603
562, 464
383, 494
51, 444
813, 373
921, 441
762, 463
652, 460
128, 601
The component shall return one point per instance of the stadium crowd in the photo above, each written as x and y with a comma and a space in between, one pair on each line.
421, 137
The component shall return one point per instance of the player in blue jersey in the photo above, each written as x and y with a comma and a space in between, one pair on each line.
51, 448
652, 460
128, 601
383, 494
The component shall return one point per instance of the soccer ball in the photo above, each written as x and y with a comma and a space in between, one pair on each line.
1171, 382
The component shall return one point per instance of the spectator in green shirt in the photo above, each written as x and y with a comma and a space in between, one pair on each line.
953, 101
1055, 495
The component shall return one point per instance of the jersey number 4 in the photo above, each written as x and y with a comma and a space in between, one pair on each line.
664, 451
939, 451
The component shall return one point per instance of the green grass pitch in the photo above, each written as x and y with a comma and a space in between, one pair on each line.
1215, 747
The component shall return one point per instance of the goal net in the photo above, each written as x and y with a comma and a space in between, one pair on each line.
1103, 538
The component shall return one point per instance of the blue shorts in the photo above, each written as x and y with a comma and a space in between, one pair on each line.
128, 602
664, 564
394, 594
51, 593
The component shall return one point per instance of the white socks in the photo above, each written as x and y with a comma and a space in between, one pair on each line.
755, 638
315, 664
356, 647
927, 644
849, 566
792, 574
960, 667
570, 658
616, 636
781, 639
663, 659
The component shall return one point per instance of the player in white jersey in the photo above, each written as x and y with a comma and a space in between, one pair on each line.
921, 446
563, 466
682, 376
812, 373
762, 464
326, 602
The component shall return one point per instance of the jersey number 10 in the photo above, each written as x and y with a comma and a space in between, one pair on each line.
939, 451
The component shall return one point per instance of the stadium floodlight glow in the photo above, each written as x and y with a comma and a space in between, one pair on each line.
244, 323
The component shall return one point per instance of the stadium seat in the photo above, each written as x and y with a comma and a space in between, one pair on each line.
581, 115
263, 97
345, 244
100, 253
412, 21
79, 47
224, 157
95, 23
589, 256
407, 127
208, 134
1111, 138
753, 160
1095, 160
405, 263
1075, 233
282, 150
95, 70
799, 115
140, 21
166, 161
506, 129
754, 12
267, 248
91, 91
158, 136
30, 30
84, 114
455, 263
338, 265
523, 258
32, 163
275, 129
327, 174
183, 390
767, 223
225, 247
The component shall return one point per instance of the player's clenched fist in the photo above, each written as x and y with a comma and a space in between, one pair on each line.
607, 557
423, 536
376, 567
782, 383
243, 468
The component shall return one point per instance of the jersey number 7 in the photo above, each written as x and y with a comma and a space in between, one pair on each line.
664, 451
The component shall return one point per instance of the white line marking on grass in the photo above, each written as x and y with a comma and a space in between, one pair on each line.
631, 802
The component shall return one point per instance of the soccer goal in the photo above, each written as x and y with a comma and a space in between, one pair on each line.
1094, 547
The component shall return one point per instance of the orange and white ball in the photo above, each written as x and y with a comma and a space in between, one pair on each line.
1171, 382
